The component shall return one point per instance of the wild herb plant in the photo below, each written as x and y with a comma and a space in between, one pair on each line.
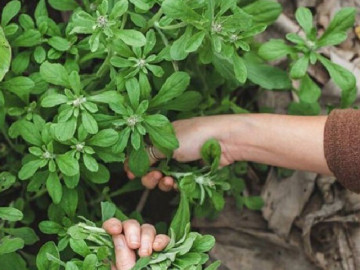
80, 94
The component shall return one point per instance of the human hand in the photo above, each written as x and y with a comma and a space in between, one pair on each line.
192, 134
129, 236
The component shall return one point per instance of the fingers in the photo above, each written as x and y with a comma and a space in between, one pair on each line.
166, 183
125, 257
148, 233
113, 226
151, 180
160, 242
132, 233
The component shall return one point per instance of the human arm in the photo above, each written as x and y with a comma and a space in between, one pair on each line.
294, 142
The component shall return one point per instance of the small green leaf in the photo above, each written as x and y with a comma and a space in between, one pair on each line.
10, 10
211, 153
274, 49
309, 91
132, 37
68, 165
104, 138
139, 162
299, 68
30, 168
54, 187
305, 19
69, 201
65, 130
55, 74
107, 97
119, 9
59, 43
214, 266
194, 42
20, 86
8, 244
133, 90
173, 87
42, 261
100, 177
28, 38
89, 123
254, 202
79, 246
90, 262
5, 52
90, 163
10, 214
63, 5
108, 210
239, 68
54, 100
181, 218
179, 10
49, 227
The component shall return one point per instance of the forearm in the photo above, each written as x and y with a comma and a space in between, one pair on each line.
294, 142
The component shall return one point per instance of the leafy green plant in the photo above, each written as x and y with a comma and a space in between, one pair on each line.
86, 84
305, 51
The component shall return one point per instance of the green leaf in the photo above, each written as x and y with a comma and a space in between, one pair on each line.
10, 214
163, 137
142, 263
65, 130
173, 87
54, 187
194, 42
90, 163
341, 76
69, 201
299, 68
181, 218
211, 153
30, 168
59, 43
5, 55
21, 62
49, 227
79, 246
42, 261
178, 49
71, 266
119, 9
104, 138
107, 97
305, 19
39, 54
254, 202
20, 86
13, 261
186, 102
203, 243
266, 76
55, 74
10, 10
303, 108
90, 262
28, 38
54, 100
239, 68
139, 162
342, 21
8, 244
108, 210
132, 37
309, 91
157, 120
89, 122
68, 165
63, 5
25, 233
102, 176
133, 90
274, 49
264, 11
214, 266
178, 9
6, 180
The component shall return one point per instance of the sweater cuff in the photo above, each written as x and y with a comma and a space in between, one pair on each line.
342, 147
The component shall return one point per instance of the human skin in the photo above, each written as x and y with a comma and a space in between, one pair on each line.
128, 237
293, 142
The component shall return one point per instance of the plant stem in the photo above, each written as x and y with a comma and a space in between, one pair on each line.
143, 200
166, 43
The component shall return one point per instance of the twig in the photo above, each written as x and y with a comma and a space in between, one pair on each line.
143, 200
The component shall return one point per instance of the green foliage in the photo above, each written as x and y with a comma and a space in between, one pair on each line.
78, 96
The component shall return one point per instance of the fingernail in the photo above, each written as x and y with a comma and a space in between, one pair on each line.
120, 244
134, 239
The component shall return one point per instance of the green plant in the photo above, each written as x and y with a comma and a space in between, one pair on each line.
78, 95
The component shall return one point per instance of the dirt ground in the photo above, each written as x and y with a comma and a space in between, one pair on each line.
309, 221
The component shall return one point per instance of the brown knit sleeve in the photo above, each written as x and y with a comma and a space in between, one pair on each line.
342, 147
